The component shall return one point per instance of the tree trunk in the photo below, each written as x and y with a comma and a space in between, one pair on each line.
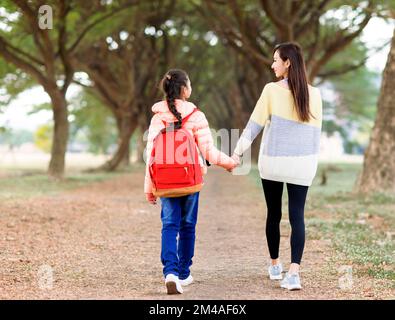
60, 135
379, 162
125, 162
141, 144
144, 121
121, 156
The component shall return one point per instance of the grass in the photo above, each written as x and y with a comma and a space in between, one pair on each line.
360, 227
17, 184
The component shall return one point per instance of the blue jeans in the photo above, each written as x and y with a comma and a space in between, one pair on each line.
179, 216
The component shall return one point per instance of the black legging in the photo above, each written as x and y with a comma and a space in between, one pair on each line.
296, 200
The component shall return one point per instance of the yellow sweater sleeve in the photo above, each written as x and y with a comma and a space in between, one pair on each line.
256, 122
262, 108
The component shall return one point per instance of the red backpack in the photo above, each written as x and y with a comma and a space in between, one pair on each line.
174, 163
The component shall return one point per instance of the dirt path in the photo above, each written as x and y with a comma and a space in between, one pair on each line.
103, 242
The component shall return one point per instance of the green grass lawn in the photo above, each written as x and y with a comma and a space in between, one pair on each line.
361, 227
19, 184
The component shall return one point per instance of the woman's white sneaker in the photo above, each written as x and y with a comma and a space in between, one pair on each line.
186, 281
173, 284
291, 282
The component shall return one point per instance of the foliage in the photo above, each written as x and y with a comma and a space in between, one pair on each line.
43, 137
92, 123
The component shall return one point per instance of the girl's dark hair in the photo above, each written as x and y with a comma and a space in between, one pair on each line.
297, 78
172, 84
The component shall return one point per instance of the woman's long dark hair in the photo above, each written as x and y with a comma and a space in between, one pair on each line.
297, 78
172, 84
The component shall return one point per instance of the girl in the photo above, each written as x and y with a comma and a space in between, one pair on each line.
288, 152
179, 214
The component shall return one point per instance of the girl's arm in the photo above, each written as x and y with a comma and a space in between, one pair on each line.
155, 127
204, 139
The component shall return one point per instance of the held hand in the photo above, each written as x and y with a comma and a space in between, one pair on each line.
150, 198
236, 158
234, 165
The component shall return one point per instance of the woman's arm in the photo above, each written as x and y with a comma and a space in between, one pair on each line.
255, 124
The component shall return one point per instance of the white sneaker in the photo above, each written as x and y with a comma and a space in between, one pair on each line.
291, 282
173, 284
186, 281
275, 272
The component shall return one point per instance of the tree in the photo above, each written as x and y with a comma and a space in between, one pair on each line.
45, 53
352, 110
41, 64
125, 66
92, 123
378, 172
253, 28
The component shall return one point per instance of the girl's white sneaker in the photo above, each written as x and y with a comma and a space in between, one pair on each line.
173, 284
187, 281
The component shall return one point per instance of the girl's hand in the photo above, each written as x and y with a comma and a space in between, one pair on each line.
150, 198
234, 165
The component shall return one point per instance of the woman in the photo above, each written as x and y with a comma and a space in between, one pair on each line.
291, 112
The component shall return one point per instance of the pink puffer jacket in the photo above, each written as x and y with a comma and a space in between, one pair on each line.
197, 126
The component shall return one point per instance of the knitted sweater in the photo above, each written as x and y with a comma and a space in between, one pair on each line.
196, 125
289, 148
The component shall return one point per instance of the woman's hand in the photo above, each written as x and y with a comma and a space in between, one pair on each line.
236, 158
150, 198
236, 162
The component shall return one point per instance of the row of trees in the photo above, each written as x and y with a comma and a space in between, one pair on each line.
118, 50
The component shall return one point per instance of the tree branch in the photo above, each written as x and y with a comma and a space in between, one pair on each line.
338, 44
23, 53
96, 22
81, 84
227, 30
46, 52
345, 69
352, 67
312, 18
62, 40
29, 13
20, 63
277, 21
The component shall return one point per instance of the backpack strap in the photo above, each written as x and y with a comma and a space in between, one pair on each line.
184, 120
